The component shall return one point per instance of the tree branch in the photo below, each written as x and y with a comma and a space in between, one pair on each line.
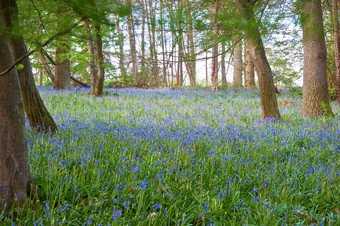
37, 48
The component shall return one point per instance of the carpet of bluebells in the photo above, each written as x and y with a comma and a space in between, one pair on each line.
182, 157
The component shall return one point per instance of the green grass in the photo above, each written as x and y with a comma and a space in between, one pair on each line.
182, 157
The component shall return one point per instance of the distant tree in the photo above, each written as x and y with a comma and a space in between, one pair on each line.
99, 54
214, 66
62, 66
266, 84
249, 69
315, 100
93, 71
237, 62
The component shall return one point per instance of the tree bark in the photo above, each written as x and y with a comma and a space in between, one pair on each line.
62, 67
214, 67
133, 52
154, 49
99, 54
315, 101
93, 71
191, 46
121, 51
266, 84
165, 83
238, 63
249, 70
15, 178
37, 114
336, 38
223, 69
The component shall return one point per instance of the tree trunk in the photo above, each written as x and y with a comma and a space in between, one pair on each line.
92, 64
214, 69
223, 69
121, 51
154, 49
99, 55
336, 39
315, 101
266, 84
40, 77
46, 66
238, 63
37, 114
249, 70
133, 52
191, 45
206, 69
165, 83
62, 67
143, 36
15, 178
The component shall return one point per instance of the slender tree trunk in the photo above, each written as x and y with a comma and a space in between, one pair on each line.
133, 52
249, 70
92, 64
165, 83
191, 46
15, 178
223, 69
214, 69
315, 100
143, 36
336, 38
238, 63
121, 50
100, 58
37, 114
266, 84
206, 70
154, 45
40, 77
47, 67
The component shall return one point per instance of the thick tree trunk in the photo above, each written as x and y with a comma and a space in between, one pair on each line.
249, 70
62, 67
99, 54
37, 114
223, 69
238, 63
315, 100
15, 178
214, 67
266, 84
93, 71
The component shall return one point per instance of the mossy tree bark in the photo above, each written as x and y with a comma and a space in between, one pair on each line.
315, 101
266, 84
15, 178
37, 114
